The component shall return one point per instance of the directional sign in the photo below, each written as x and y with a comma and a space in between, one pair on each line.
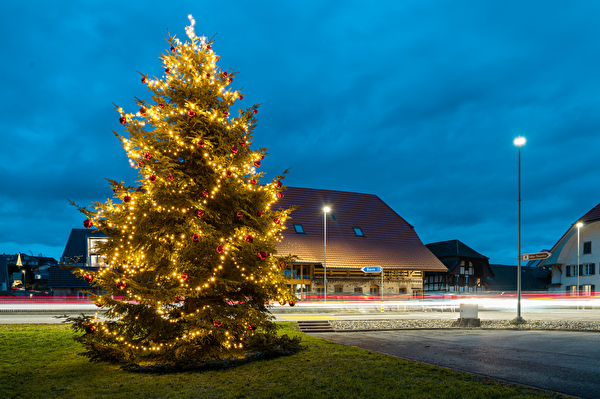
371, 269
536, 256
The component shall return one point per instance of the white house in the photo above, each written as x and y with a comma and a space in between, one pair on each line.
582, 240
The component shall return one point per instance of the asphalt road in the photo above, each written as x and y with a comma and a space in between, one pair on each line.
560, 361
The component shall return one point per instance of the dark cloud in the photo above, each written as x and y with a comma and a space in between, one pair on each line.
416, 103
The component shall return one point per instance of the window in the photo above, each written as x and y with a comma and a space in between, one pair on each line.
462, 270
338, 289
320, 289
589, 269
401, 290
358, 290
358, 232
574, 271
471, 270
299, 229
587, 247
374, 289
568, 271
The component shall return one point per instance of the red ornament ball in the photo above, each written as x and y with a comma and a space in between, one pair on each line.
277, 221
253, 181
257, 163
167, 70
220, 249
249, 238
195, 238
170, 177
127, 199
88, 278
141, 164
260, 213
98, 304
239, 214
224, 73
152, 179
200, 213
123, 120
172, 48
255, 111
144, 80
242, 143
228, 173
279, 184
90, 329
262, 255
148, 155
115, 190
241, 97
225, 113
292, 303
280, 195
142, 111
217, 323
161, 105
88, 224
208, 76
201, 144
230, 80
121, 285
234, 149
191, 113
209, 47
205, 193
252, 327
184, 276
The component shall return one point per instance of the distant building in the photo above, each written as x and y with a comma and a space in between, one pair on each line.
505, 279
80, 251
33, 268
569, 274
362, 231
467, 268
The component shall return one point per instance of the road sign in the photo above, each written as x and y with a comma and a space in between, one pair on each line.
371, 269
536, 256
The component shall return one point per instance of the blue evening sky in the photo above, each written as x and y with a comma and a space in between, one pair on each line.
417, 102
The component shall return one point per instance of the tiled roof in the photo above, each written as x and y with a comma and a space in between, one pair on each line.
389, 241
453, 248
62, 277
594, 214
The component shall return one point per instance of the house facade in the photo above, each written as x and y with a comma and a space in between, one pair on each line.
467, 269
575, 258
359, 231
80, 251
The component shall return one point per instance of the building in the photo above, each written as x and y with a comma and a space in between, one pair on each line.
80, 251
467, 268
362, 231
505, 279
19, 266
576, 256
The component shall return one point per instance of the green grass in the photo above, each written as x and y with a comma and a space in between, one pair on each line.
41, 361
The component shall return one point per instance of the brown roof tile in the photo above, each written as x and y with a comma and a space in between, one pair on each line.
388, 241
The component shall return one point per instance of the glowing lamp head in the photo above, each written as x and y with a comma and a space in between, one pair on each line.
579, 225
326, 209
519, 141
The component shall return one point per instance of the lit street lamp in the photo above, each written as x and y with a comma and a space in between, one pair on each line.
519, 141
325, 210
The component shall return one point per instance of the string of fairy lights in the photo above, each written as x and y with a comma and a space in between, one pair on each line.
188, 64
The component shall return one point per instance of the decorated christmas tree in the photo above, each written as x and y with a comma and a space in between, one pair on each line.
190, 264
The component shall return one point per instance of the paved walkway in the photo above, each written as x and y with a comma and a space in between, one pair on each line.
560, 361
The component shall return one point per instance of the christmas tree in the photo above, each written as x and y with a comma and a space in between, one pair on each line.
190, 256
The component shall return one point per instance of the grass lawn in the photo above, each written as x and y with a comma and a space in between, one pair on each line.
41, 361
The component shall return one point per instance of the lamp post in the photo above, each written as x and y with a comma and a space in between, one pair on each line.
325, 210
579, 226
519, 141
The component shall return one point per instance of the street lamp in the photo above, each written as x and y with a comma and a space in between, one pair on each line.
579, 226
519, 141
325, 210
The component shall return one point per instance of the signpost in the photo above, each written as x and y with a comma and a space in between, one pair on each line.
376, 269
536, 256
